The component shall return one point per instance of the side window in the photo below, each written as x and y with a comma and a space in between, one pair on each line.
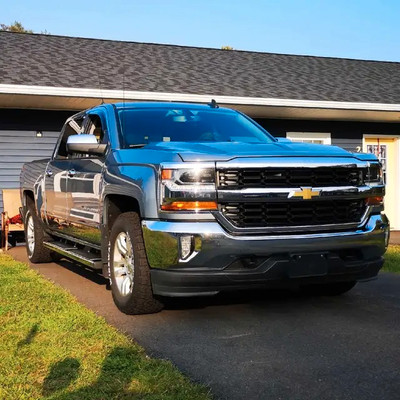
91, 125
72, 127
94, 126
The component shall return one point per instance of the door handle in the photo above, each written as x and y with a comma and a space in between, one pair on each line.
71, 173
49, 172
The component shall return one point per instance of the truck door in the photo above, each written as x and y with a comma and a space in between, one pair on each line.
85, 185
56, 180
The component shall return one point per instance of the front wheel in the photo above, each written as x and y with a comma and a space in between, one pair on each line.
129, 269
34, 238
328, 289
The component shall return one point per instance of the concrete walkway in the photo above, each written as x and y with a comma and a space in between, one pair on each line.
394, 237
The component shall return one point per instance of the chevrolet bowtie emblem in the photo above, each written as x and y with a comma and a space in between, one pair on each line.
306, 193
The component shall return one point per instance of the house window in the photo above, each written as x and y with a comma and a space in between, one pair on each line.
310, 137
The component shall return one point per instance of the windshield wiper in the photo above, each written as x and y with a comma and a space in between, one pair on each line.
137, 146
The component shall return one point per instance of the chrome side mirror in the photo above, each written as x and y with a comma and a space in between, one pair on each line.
85, 144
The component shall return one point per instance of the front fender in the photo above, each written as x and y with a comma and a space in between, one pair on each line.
137, 181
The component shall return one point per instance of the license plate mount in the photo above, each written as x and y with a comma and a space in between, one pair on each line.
307, 265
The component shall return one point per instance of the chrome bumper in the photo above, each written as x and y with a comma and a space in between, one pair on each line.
220, 261
215, 249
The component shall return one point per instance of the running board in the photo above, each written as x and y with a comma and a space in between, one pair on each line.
71, 252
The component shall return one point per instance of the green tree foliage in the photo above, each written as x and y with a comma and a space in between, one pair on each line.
15, 27
227, 48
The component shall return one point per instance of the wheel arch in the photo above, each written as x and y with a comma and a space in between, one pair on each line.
28, 197
114, 205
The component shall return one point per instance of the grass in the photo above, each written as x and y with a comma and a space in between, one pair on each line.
392, 259
52, 347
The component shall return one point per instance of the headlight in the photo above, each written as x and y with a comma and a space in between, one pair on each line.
191, 188
374, 177
374, 174
194, 176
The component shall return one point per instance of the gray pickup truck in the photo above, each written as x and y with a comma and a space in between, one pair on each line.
189, 200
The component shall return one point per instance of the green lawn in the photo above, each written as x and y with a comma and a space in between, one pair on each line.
392, 259
52, 347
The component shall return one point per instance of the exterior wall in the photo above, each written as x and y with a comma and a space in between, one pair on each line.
19, 144
344, 134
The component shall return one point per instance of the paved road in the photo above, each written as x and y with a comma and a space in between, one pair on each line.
257, 346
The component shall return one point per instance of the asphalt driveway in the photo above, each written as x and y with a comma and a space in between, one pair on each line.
265, 346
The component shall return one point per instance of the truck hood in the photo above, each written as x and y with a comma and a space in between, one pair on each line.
227, 151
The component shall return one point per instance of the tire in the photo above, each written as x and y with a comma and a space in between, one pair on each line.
129, 270
328, 289
35, 236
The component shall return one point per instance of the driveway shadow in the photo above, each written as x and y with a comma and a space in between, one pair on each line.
266, 296
118, 369
29, 337
86, 272
61, 375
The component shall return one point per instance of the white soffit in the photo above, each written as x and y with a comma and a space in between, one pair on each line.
48, 97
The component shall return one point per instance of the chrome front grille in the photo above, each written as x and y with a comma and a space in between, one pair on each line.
235, 178
293, 213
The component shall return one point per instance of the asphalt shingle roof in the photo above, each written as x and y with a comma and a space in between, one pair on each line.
46, 60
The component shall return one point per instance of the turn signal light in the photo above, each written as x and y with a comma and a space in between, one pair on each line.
166, 174
189, 206
375, 201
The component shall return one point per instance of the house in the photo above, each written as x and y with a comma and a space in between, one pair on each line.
354, 104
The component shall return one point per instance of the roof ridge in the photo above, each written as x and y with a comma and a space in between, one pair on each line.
202, 48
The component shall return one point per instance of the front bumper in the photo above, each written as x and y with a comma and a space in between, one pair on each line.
221, 261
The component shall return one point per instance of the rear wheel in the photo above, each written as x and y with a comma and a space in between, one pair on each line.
35, 236
129, 269
328, 289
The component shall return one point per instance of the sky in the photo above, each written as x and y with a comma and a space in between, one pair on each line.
363, 29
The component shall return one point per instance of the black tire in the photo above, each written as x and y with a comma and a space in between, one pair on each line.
37, 253
328, 289
139, 299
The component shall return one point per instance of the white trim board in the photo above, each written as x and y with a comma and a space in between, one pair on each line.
324, 137
395, 221
187, 97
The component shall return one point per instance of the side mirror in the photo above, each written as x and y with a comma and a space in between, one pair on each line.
85, 144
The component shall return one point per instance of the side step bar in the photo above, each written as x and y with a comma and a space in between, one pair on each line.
69, 251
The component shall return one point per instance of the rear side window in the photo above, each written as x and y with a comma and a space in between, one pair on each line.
143, 126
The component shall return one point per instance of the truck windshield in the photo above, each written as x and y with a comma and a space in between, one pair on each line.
147, 125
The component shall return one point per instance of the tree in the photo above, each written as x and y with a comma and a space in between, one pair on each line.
15, 27
227, 48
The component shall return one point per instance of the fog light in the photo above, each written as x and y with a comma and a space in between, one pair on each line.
186, 246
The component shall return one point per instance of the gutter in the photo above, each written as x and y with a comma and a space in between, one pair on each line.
130, 95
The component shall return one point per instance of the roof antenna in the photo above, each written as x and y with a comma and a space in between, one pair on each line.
123, 99
123, 87
213, 104
101, 90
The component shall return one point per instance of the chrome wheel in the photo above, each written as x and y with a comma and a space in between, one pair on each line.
123, 264
30, 233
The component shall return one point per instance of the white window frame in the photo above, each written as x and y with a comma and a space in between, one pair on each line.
324, 137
